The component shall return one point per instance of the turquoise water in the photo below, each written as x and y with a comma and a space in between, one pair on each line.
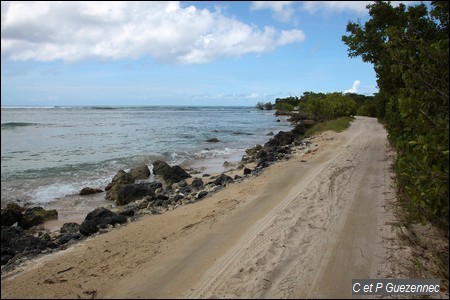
48, 153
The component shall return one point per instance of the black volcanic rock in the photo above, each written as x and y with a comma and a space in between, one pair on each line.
35, 216
100, 218
170, 174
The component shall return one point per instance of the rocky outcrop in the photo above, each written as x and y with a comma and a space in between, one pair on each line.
70, 227
280, 112
69, 238
254, 150
14, 241
160, 167
283, 138
251, 153
69, 234
169, 174
121, 179
100, 218
11, 214
140, 172
35, 216
223, 180
90, 191
202, 194
197, 183
130, 192
277, 147
123, 189
297, 117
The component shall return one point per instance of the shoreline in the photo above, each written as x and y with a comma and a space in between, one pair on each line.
212, 167
82, 205
76, 208
256, 238
103, 150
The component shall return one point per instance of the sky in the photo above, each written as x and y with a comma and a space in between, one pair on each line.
177, 53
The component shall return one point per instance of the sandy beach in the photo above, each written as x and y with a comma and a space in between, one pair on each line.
302, 229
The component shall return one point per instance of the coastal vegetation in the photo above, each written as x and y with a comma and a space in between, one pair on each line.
324, 106
264, 106
330, 111
409, 50
338, 125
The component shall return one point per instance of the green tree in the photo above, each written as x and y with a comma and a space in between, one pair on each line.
327, 106
338, 105
287, 103
409, 51
268, 106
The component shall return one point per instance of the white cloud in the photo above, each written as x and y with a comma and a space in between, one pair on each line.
339, 6
316, 6
167, 31
282, 10
355, 87
290, 36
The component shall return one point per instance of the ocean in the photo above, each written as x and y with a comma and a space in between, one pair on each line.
48, 154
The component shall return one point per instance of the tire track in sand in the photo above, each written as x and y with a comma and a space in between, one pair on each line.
285, 253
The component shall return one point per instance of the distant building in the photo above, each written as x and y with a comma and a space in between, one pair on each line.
296, 108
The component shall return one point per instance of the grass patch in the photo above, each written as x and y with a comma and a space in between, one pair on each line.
338, 125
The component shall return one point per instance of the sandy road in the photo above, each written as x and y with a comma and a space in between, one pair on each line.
320, 236
301, 229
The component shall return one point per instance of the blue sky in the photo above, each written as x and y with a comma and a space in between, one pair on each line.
177, 53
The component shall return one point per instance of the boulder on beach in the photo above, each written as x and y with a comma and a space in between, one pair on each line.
299, 130
35, 216
278, 146
251, 154
140, 172
160, 167
15, 241
285, 138
197, 183
11, 214
223, 180
100, 218
121, 178
128, 211
117, 189
90, 191
280, 139
68, 238
202, 194
170, 174
70, 227
130, 192
15, 206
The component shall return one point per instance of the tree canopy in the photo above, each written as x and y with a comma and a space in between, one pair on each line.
409, 50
